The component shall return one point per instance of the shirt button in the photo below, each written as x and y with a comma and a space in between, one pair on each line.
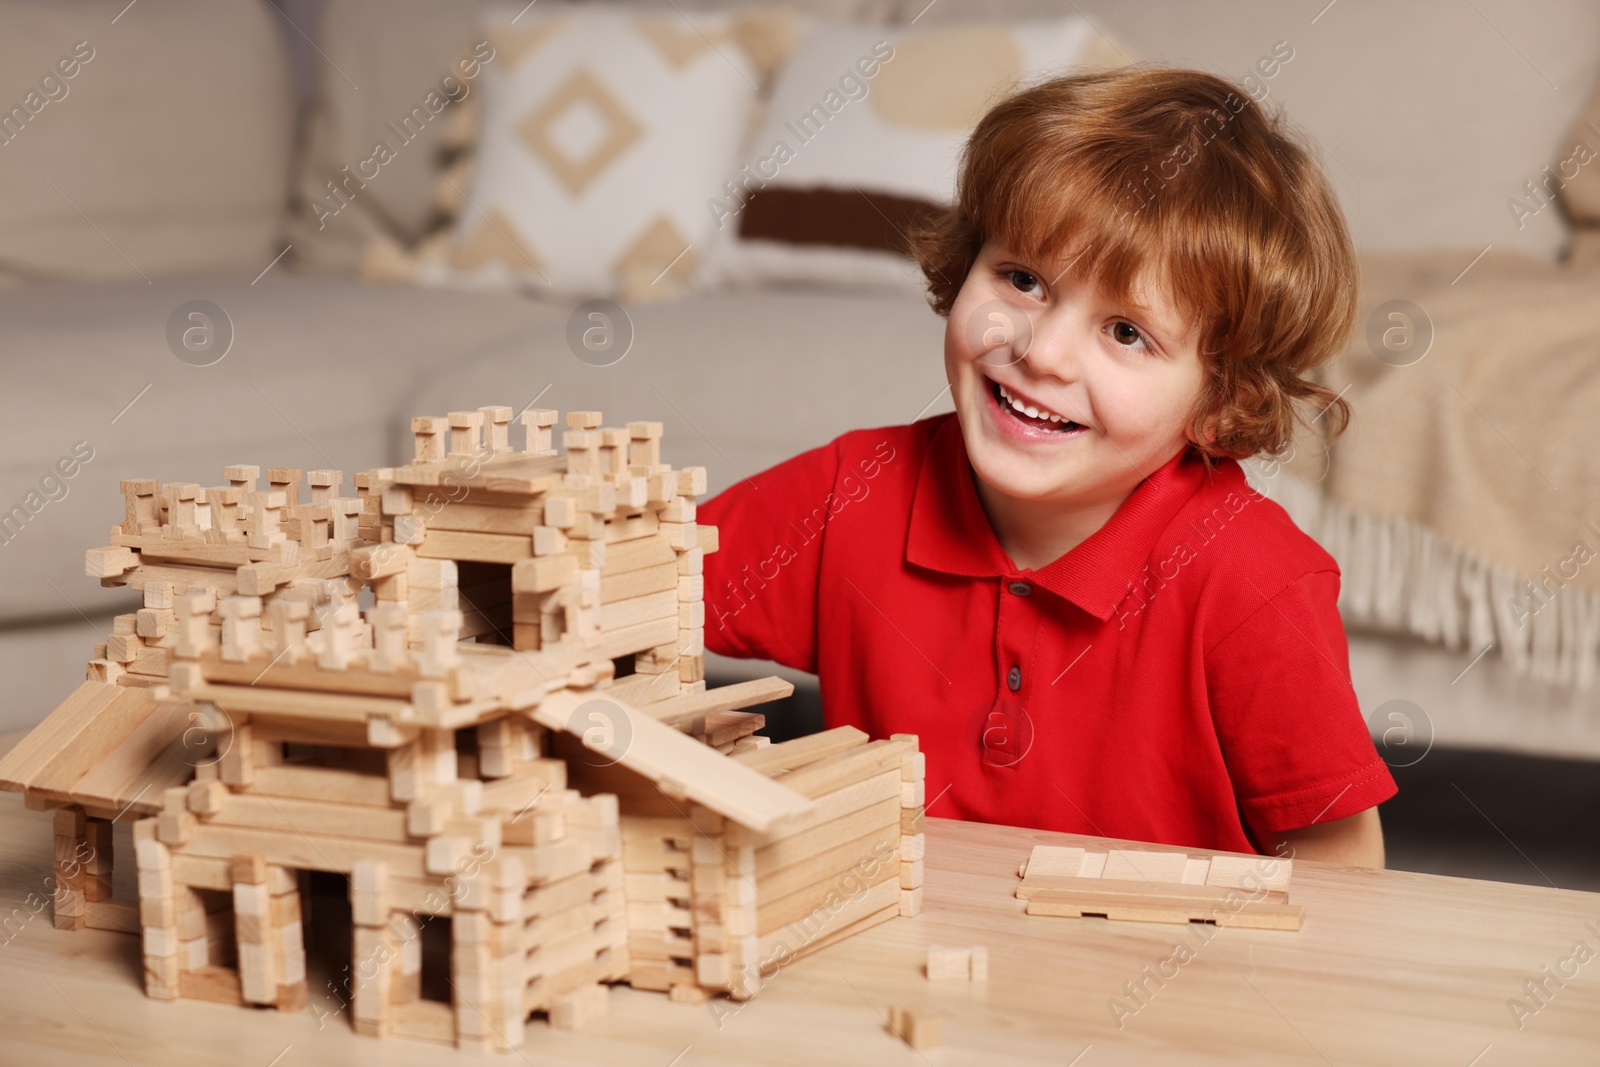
1014, 678
1020, 588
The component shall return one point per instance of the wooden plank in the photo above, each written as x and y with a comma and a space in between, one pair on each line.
223, 579
1139, 904
787, 755
836, 772
1141, 865
676, 762
262, 670
636, 638
521, 518
833, 862
322, 853
1066, 862
118, 915
219, 985
478, 547
635, 555
313, 816
628, 584
802, 937
147, 761
510, 474
424, 1020
1250, 872
268, 700
836, 805
823, 895
644, 691
345, 787
797, 848
1169, 893
202, 553
63, 728
640, 609
693, 707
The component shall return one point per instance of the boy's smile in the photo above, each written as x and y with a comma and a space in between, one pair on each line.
1066, 398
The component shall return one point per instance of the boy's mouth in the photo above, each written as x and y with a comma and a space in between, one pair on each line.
1029, 414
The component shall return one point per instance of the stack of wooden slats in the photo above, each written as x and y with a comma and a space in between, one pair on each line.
728, 905
1148, 885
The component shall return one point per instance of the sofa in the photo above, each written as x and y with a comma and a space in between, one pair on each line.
181, 164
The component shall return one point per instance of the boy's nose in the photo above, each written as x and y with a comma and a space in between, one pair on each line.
1054, 347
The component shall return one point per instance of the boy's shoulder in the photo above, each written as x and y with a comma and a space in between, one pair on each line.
1245, 547
911, 438
899, 449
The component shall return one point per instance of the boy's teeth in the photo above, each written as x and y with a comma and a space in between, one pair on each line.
1028, 409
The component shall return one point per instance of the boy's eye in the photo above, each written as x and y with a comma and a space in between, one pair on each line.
1022, 280
1127, 334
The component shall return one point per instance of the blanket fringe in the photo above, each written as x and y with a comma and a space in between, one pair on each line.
1402, 577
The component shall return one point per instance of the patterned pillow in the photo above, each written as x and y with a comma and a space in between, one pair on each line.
863, 134
600, 133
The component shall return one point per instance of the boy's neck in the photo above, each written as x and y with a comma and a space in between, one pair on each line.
1036, 533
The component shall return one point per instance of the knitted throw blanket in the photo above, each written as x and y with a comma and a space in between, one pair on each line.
1463, 503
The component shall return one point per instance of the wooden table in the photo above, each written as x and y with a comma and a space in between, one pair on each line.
1390, 968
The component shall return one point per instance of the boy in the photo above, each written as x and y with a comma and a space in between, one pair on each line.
1067, 588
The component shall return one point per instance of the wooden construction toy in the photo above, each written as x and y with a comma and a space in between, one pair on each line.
471, 698
1152, 886
957, 964
917, 1027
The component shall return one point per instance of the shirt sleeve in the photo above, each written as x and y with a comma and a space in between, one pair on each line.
1286, 714
761, 583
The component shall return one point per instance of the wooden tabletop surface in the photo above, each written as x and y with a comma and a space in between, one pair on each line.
1389, 968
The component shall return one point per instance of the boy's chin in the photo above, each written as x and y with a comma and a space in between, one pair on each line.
1022, 479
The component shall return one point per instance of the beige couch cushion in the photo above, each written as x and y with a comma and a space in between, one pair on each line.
1430, 117
389, 54
318, 369
165, 152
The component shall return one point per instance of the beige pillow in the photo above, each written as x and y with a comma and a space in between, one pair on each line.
147, 143
764, 36
383, 56
863, 137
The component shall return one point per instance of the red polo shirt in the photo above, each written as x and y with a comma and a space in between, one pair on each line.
1179, 677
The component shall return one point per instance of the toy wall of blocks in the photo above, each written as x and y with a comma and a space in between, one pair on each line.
476, 690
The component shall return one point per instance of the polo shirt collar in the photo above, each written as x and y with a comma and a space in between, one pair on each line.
950, 532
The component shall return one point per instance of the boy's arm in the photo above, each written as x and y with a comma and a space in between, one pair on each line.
761, 583
1300, 755
1355, 840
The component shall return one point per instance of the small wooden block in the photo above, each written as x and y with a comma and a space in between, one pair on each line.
688, 994
1136, 865
571, 1010
948, 964
917, 1027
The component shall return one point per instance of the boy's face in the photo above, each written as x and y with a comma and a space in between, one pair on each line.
1123, 381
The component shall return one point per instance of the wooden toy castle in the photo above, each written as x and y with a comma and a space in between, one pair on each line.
476, 690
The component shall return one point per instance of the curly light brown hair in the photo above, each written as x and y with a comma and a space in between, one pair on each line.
1181, 172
